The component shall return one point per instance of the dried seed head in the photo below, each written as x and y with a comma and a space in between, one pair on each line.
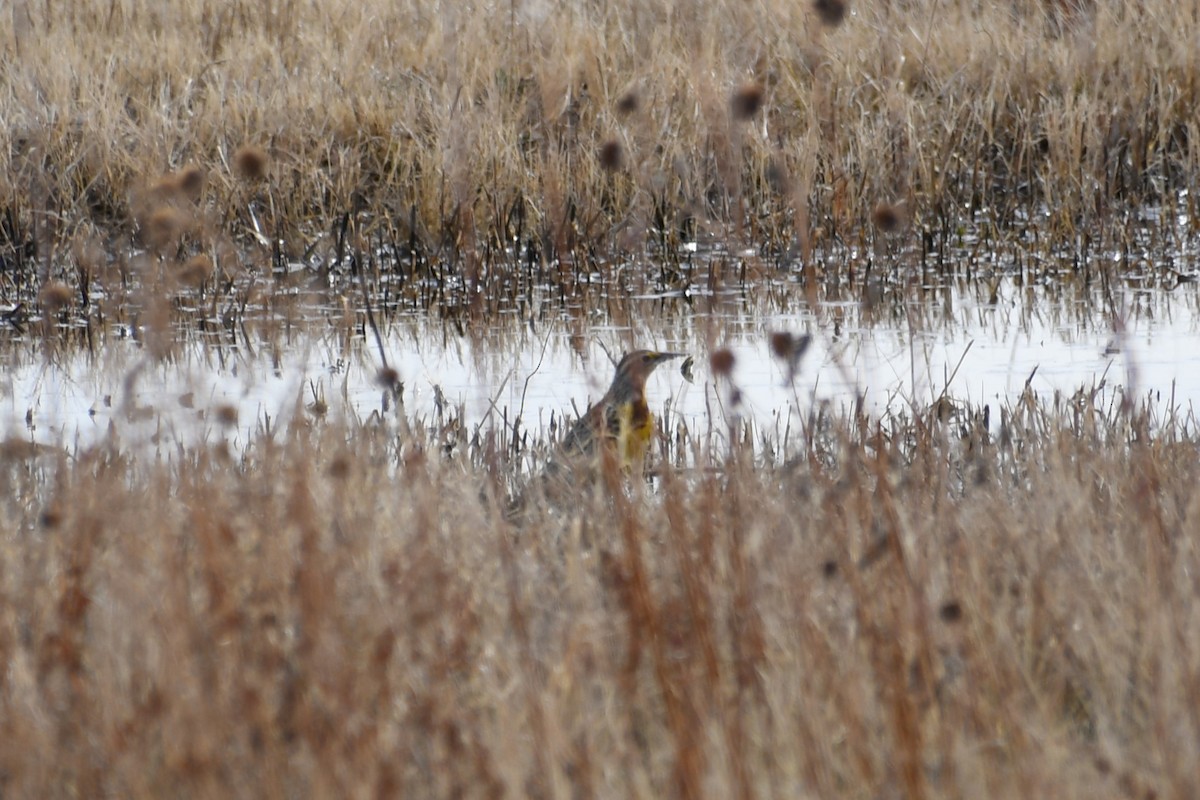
388, 378
164, 226
612, 156
191, 181
628, 103
339, 467
54, 296
251, 162
196, 270
781, 344
227, 415
951, 611
887, 217
746, 101
831, 12
789, 349
52, 516
721, 362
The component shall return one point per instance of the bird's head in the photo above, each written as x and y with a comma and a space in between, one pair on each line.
634, 368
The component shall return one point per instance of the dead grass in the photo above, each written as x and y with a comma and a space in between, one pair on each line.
481, 136
906, 609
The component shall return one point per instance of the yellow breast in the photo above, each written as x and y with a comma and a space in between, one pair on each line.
635, 430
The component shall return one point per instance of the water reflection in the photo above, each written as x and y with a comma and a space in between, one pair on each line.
892, 346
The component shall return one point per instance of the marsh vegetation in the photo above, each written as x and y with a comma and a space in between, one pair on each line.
959, 585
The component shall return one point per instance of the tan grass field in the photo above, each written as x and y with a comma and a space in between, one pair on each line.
899, 612
908, 607
575, 128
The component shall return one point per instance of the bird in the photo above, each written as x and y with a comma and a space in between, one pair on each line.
619, 425
621, 417
620, 420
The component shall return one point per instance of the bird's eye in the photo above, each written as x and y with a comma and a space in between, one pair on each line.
648, 357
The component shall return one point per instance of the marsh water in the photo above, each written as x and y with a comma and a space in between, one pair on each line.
978, 323
899, 349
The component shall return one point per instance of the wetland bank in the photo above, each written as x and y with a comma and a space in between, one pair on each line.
295, 295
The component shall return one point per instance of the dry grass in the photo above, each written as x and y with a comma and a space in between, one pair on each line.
907, 609
485, 135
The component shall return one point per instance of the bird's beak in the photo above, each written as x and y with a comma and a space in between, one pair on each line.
661, 357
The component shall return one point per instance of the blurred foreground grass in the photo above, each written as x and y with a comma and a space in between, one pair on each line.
910, 608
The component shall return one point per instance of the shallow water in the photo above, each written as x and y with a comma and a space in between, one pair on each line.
896, 350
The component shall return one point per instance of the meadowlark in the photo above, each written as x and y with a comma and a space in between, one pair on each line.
619, 425
621, 419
